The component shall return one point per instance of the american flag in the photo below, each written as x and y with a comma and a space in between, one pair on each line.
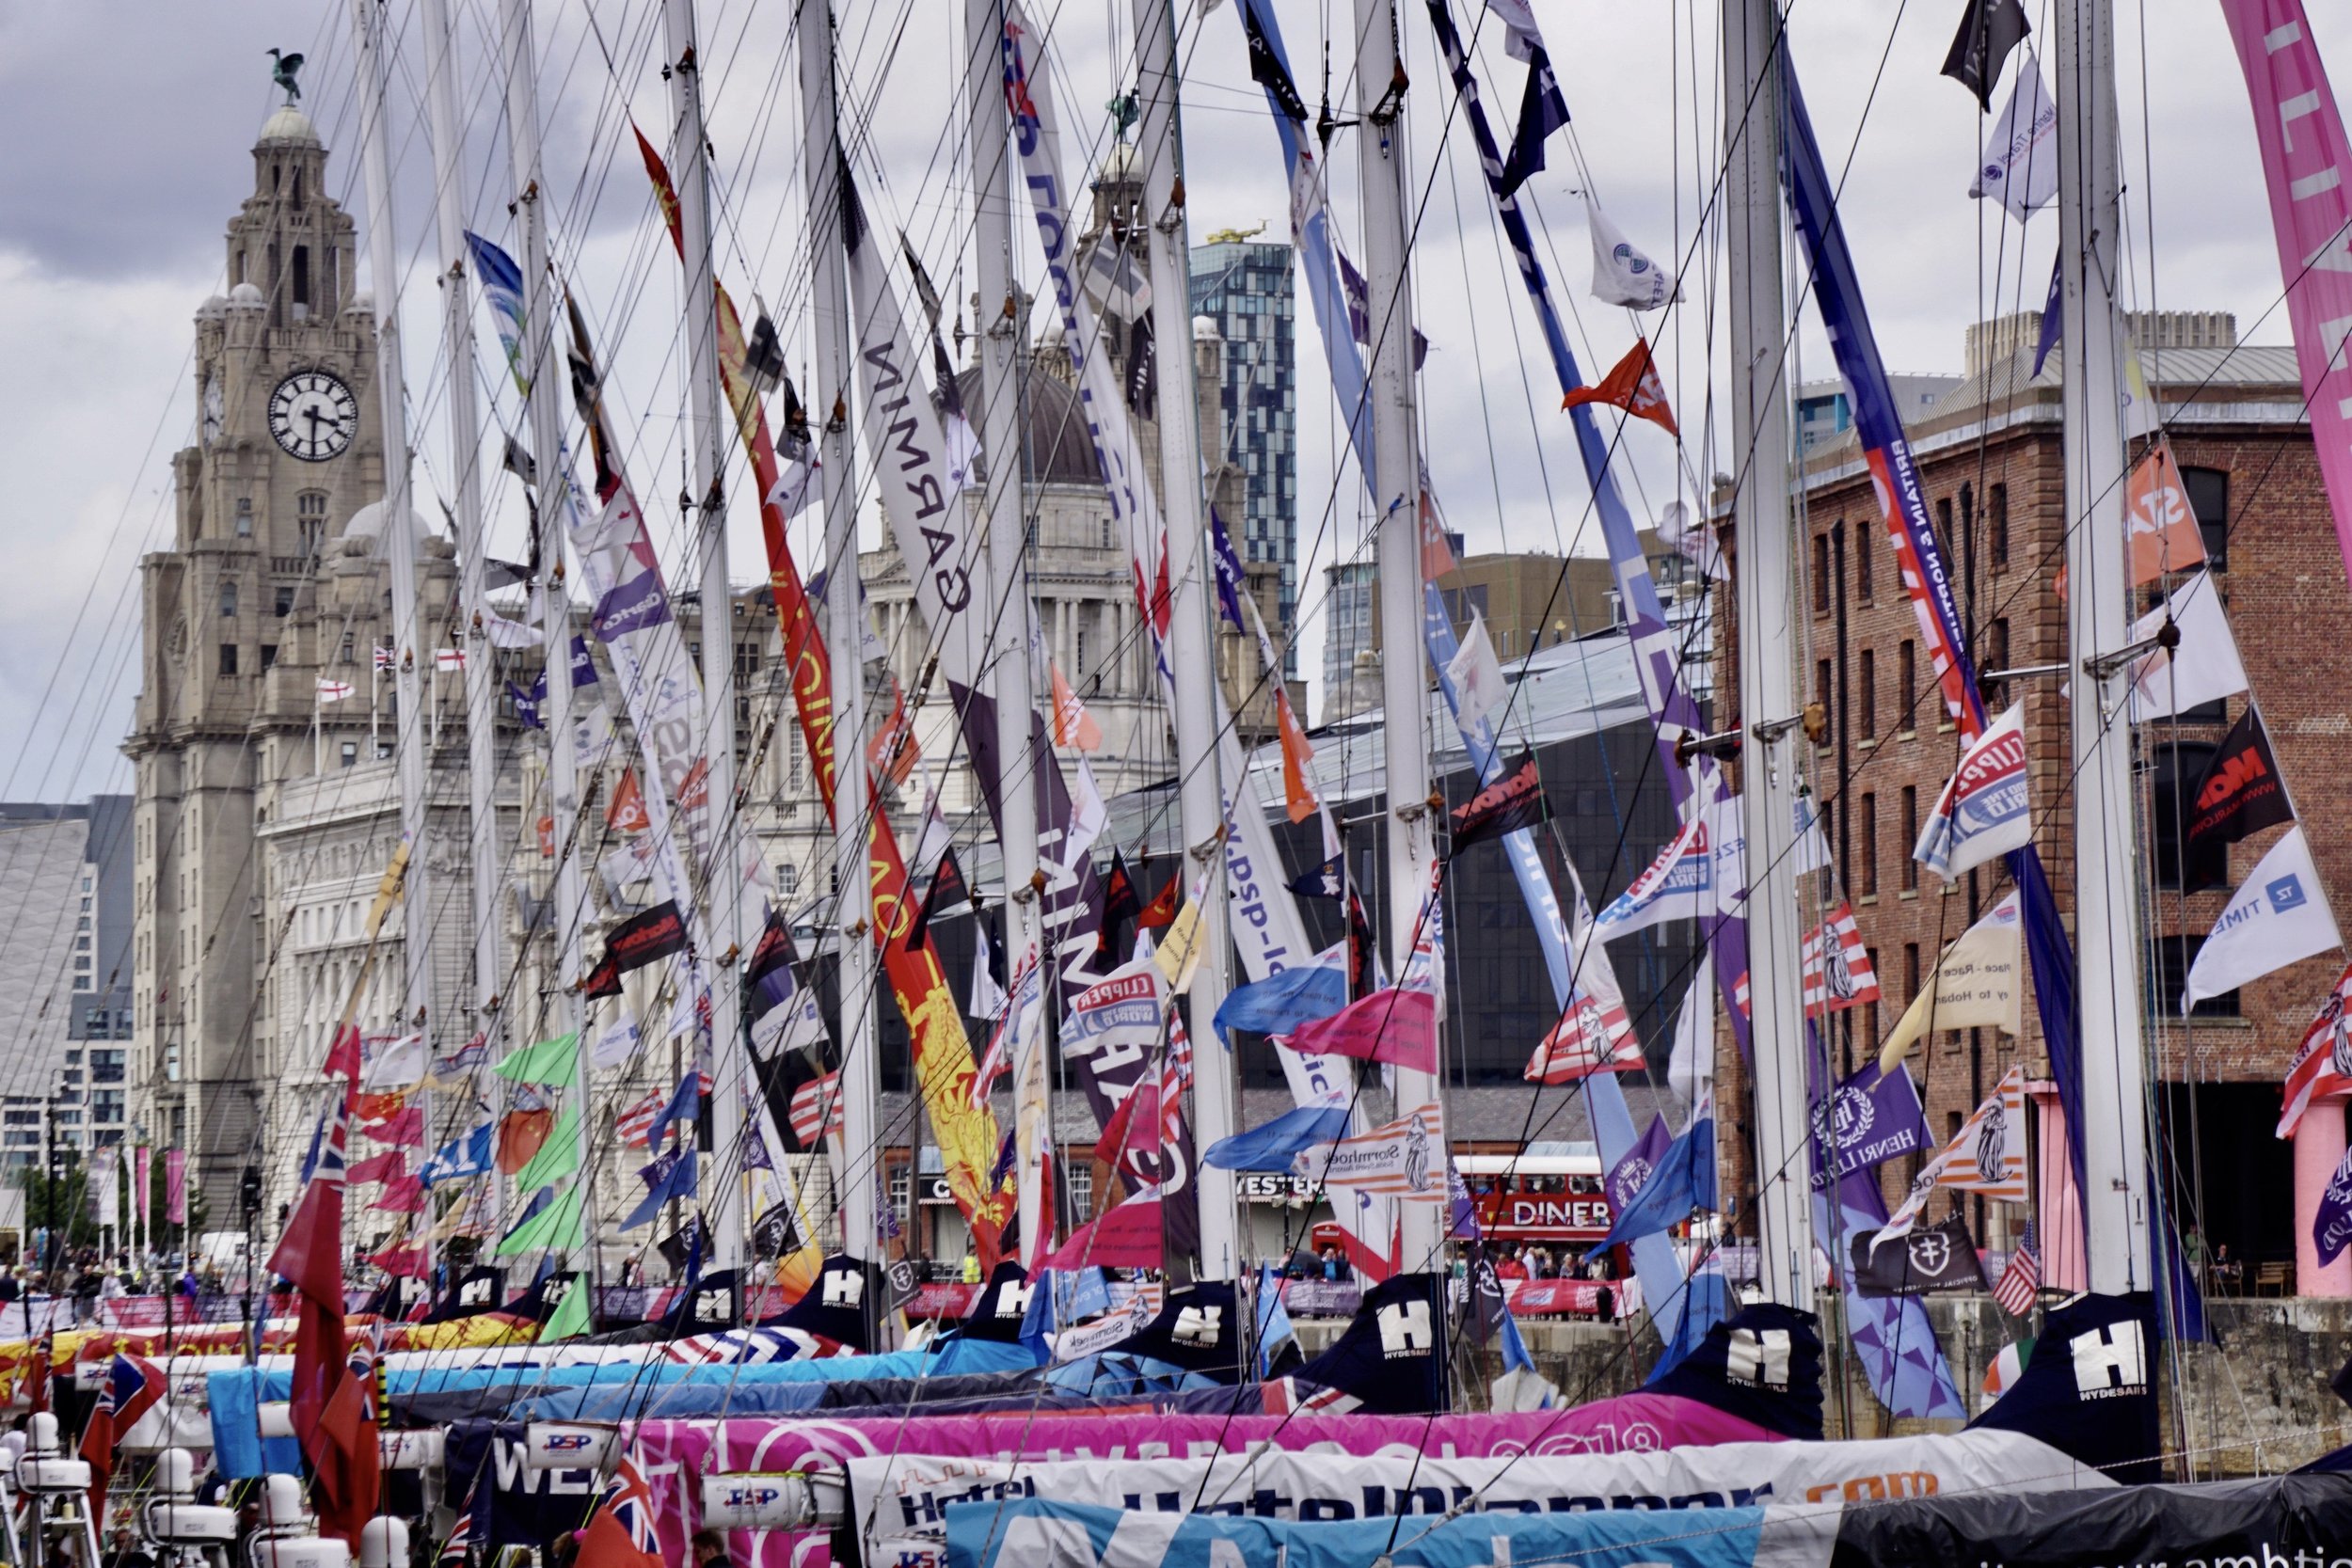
632, 1122
817, 1109
2021, 1280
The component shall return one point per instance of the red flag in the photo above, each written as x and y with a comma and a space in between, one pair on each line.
311, 1257
345, 1456
1073, 725
1161, 913
1632, 386
1298, 756
893, 752
520, 1134
343, 1057
665, 193
627, 813
133, 1388
1135, 1128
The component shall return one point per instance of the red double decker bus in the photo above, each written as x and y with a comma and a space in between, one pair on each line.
1552, 1198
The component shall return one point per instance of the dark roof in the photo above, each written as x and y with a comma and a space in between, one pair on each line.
1056, 449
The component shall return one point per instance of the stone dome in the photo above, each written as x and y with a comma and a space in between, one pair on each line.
366, 530
362, 303
1204, 330
289, 124
214, 307
1056, 448
245, 296
1121, 164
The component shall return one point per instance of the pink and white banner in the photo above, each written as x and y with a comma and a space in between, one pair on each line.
2305, 160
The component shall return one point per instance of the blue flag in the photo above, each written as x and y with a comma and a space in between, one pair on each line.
1287, 998
670, 1178
1271, 1147
1684, 1180
1628, 1175
1542, 111
468, 1155
1274, 1320
1327, 881
685, 1105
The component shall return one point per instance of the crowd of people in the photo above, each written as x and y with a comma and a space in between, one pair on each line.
87, 1277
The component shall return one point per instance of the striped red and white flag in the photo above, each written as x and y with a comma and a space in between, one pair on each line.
2021, 1282
817, 1109
633, 1122
2323, 1063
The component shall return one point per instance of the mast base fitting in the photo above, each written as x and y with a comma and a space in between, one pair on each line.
2106, 666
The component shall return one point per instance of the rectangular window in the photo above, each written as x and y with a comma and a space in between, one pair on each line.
227, 658
1911, 837
1864, 588
1866, 696
1870, 1009
2209, 499
1996, 645
282, 602
1820, 573
1870, 837
1821, 681
269, 656
1907, 686
1910, 971
1996, 525
2174, 957
351, 754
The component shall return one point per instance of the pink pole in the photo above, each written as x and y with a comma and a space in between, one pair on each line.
2318, 1150
2063, 1266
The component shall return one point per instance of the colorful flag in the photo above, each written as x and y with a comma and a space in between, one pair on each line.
784, 1014
1628, 1175
1871, 1117
1985, 811
2279, 914
1679, 885
1073, 725
1400, 1159
2323, 1063
1987, 1155
1591, 1035
1838, 970
386, 660
1631, 385
947, 885
670, 1179
1934, 1258
2159, 524
621, 1532
1479, 689
1621, 274
1684, 1179
2021, 1282
1160, 913
1286, 998
2240, 791
1298, 758
816, 1110
893, 752
1019, 1015
625, 813
310, 1256
2332, 1227
133, 1386
1988, 31
1512, 803
1542, 111
644, 938
1120, 906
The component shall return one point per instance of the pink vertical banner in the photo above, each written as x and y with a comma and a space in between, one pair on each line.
175, 1186
2306, 161
140, 1168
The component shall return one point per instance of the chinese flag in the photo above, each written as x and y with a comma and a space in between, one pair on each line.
1161, 913
1632, 386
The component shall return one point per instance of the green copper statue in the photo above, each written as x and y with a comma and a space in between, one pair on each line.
281, 71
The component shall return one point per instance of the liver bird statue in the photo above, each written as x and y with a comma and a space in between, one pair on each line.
281, 71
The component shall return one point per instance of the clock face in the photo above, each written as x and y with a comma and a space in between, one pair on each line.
313, 416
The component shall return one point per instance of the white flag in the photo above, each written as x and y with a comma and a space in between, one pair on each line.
617, 1046
1975, 984
393, 1064
2278, 915
795, 487
1520, 37
2020, 165
1985, 810
1089, 817
334, 691
1622, 275
505, 632
1476, 675
2203, 669
1691, 1068
988, 998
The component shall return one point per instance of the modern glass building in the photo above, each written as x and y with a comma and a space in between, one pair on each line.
1243, 286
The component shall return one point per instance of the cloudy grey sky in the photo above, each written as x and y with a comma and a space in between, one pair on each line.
132, 123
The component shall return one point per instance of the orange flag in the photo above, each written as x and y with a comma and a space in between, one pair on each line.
1072, 724
627, 814
893, 754
1632, 386
2160, 529
1297, 756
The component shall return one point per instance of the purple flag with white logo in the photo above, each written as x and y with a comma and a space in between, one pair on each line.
1871, 1117
1628, 1175
2332, 1227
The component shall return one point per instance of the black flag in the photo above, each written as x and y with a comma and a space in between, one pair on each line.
1143, 366
657, 933
2240, 791
1513, 801
947, 883
1120, 905
1542, 111
1268, 71
1932, 1258
1363, 950
1988, 31
1327, 879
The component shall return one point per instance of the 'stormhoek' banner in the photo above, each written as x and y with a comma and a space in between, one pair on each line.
2306, 160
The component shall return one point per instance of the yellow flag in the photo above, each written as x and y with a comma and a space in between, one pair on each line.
1975, 983
1179, 954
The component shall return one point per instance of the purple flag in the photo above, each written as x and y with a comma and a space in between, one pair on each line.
1628, 1175
2332, 1227
1871, 1117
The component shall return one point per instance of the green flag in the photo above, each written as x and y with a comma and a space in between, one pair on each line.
556, 1159
571, 1318
555, 1061
555, 1229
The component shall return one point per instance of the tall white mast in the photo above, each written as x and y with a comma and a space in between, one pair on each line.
707, 449
2106, 899
1768, 642
399, 531
1009, 650
465, 425
1396, 489
829, 397
1192, 629
545, 372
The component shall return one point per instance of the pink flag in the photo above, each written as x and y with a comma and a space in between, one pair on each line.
1397, 1025
2306, 159
1124, 1237
175, 1186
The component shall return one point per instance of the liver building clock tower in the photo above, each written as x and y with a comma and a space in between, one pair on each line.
273, 583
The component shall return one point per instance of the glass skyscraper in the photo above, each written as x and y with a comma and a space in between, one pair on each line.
1245, 287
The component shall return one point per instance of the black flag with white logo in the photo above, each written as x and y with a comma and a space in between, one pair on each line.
1933, 1258
1986, 33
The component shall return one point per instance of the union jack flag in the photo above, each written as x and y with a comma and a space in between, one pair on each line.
2021, 1282
628, 1502
459, 1546
133, 1386
330, 1157
384, 658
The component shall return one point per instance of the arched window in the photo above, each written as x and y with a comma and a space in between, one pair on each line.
2172, 798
